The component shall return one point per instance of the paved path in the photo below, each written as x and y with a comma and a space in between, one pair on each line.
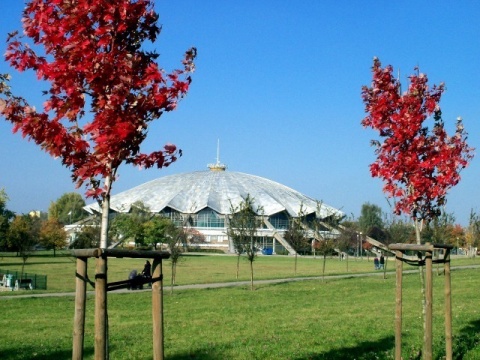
231, 284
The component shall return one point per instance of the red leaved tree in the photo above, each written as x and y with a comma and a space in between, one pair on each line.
418, 165
105, 88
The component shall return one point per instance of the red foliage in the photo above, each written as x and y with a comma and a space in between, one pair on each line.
94, 62
418, 165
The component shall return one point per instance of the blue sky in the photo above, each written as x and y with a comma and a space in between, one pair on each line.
278, 83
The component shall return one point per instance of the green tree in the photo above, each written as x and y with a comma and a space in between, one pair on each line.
296, 235
53, 235
325, 229
324, 247
88, 237
130, 226
243, 224
440, 229
175, 239
400, 230
348, 240
6, 216
68, 209
370, 222
23, 235
155, 230
472, 233
162, 230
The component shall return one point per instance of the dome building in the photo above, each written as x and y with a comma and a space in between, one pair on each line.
203, 200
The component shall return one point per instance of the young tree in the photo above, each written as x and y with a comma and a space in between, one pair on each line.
296, 235
91, 53
238, 238
52, 235
174, 238
68, 209
162, 230
324, 230
418, 165
23, 235
242, 227
324, 247
472, 233
347, 240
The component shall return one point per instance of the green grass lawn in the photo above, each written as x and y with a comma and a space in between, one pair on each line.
337, 319
193, 269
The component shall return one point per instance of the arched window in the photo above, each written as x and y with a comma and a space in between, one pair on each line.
208, 218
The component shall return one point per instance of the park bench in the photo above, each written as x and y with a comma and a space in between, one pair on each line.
24, 284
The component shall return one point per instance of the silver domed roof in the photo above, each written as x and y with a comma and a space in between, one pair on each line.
218, 190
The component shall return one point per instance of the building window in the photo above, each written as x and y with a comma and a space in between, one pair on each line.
208, 218
279, 220
173, 215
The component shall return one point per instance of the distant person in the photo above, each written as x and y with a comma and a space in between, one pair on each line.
382, 262
376, 263
132, 277
147, 269
147, 272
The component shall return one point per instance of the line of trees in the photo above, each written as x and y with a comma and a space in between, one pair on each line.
22, 233
443, 229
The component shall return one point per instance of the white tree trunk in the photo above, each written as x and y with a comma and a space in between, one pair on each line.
105, 213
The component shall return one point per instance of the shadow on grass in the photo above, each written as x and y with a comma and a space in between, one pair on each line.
467, 339
29, 352
363, 351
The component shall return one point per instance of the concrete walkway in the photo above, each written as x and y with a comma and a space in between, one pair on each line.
166, 287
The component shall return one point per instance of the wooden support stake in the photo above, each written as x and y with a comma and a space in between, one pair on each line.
448, 307
398, 306
157, 310
101, 341
428, 304
80, 301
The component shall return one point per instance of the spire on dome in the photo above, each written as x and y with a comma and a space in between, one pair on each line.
218, 166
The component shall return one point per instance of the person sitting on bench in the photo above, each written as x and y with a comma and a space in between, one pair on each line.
147, 271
